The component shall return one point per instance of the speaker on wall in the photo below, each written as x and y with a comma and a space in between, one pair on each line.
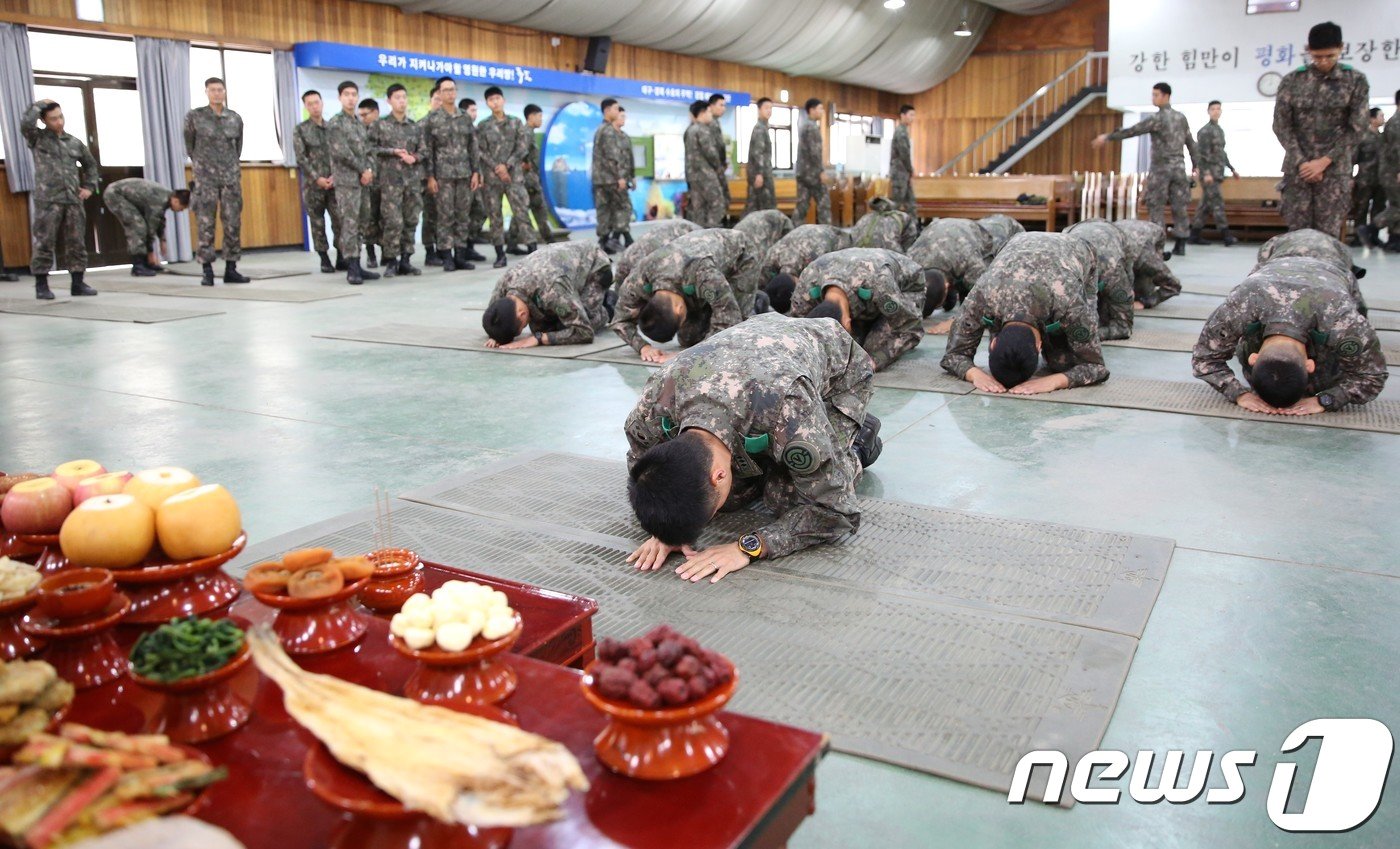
596, 59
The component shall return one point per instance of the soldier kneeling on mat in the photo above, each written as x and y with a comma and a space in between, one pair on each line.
1302, 343
560, 291
772, 409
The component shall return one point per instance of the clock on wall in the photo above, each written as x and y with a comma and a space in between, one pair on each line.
1269, 83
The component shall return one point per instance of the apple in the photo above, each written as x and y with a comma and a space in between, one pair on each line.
153, 486
74, 472
37, 506
199, 522
108, 532
110, 483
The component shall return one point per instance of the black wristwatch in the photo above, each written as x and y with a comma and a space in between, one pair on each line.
751, 545
1328, 401
539, 337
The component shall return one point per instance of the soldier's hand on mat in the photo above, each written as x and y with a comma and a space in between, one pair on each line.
366, 177
84, 194
654, 552
1040, 385
433, 184
1255, 404
941, 328
527, 342
1139, 305
718, 561
651, 354
983, 382
1306, 407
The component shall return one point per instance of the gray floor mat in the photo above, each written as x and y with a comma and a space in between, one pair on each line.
1072, 575
194, 269
7, 304
221, 292
622, 355
1155, 337
92, 310
944, 689
1193, 310
467, 337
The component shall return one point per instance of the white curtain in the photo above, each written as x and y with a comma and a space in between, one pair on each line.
288, 112
163, 82
16, 95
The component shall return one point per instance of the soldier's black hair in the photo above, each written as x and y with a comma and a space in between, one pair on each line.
950, 300
393, 88
213, 80
669, 488
434, 90
604, 276
906, 108
607, 102
437, 84
826, 309
1214, 103
340, 89
499, 321
1014, 358
780, 288
45, 110
658, 321
465, 103
715, 98
370, 103
1397, 97
183, 196
1280, 380
761, 101
492, 90
936, 289
1164, 88
1375, 112
531, 109
697, 107
622, 109
1324, 36
812, 103
308, 93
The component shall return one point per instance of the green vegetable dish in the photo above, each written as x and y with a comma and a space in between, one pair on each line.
185, 648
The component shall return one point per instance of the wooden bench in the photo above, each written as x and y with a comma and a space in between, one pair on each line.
978, 197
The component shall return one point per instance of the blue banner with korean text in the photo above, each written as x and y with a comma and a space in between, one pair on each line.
325, 54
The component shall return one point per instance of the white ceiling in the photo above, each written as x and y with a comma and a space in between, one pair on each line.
855, 41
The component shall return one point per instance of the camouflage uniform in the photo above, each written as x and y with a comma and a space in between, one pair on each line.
800, 248
902, 173
1153, 282
560, 285
1167, 177
140, 206
656, 237
450, 142
399, 184
765, 227
1317, 115
722, 170
1213, 160
62, 166
959, 248
314, 162
1388, 168
530, 176
612, 161
1367, 193
885, 290
1304, 299
760, 162
476, 218
1046, 280
1316, 245
809, 169
715, 271
370, 231
504, 143
788, 398
1113, 256
214, 143
1001, 228
704, 200
885, 227
350, 156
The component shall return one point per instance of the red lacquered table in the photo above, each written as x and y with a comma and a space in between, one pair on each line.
757, 796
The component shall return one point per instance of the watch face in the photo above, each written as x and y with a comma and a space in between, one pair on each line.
1326, 401
749, 543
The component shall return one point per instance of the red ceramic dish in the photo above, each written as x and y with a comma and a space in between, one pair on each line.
202, 708
162, 590
459, 679
315, 625
76, 593
84, 651
398, 574
14, 642
286, 602
44, 552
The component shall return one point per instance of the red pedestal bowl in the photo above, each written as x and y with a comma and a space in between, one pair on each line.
84, 651
42, 550
162, 589
203, 708
15, 642
471, 677
315, 625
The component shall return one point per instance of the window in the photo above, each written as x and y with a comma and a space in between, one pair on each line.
781, 131
59, 54
249, 78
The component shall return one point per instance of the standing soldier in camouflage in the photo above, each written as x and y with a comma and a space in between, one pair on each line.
370, 231
1167, 178
1319, 115
790, 256
657, 236
772, 408
1301, 343
689, 290
704, 199
1388, 176
503, 146
429, 199
140, 206
810, 167
1367, 194
530, 176
1036, 298
398, 145
611, 172
1213, 160
451, 145
351, 169
885, 226
560, 291
1115, 275
214, 143
65, 175
476, 220
716, 106
1153, 282
902, 165
876, 294
1001, 228
765, 227
317, 187
958, 249
762, 193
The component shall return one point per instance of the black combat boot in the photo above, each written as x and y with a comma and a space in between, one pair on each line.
762, 303
139, 267
406, 266
354, 275
1393, 244
231, 274
367, 275
41, 287
610, 302
500, 257
433, 258
1180, 249
516, 249
391, 267
531, 248
1365, 235
340, 263
369, 254
447, 258
1358, 272
78, 288
627, 238
473, 254
208, 278
1227, 238
1195, 237
868, 444
327, 267
459, 259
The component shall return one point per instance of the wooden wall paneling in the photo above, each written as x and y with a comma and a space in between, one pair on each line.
1076, 25
271, 208
14, 225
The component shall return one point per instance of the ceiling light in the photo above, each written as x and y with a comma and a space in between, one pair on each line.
894, 4
963, 30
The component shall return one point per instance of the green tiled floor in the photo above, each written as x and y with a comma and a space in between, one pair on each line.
1280, 605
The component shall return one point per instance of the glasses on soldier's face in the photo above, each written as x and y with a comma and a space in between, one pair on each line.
1325, 58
